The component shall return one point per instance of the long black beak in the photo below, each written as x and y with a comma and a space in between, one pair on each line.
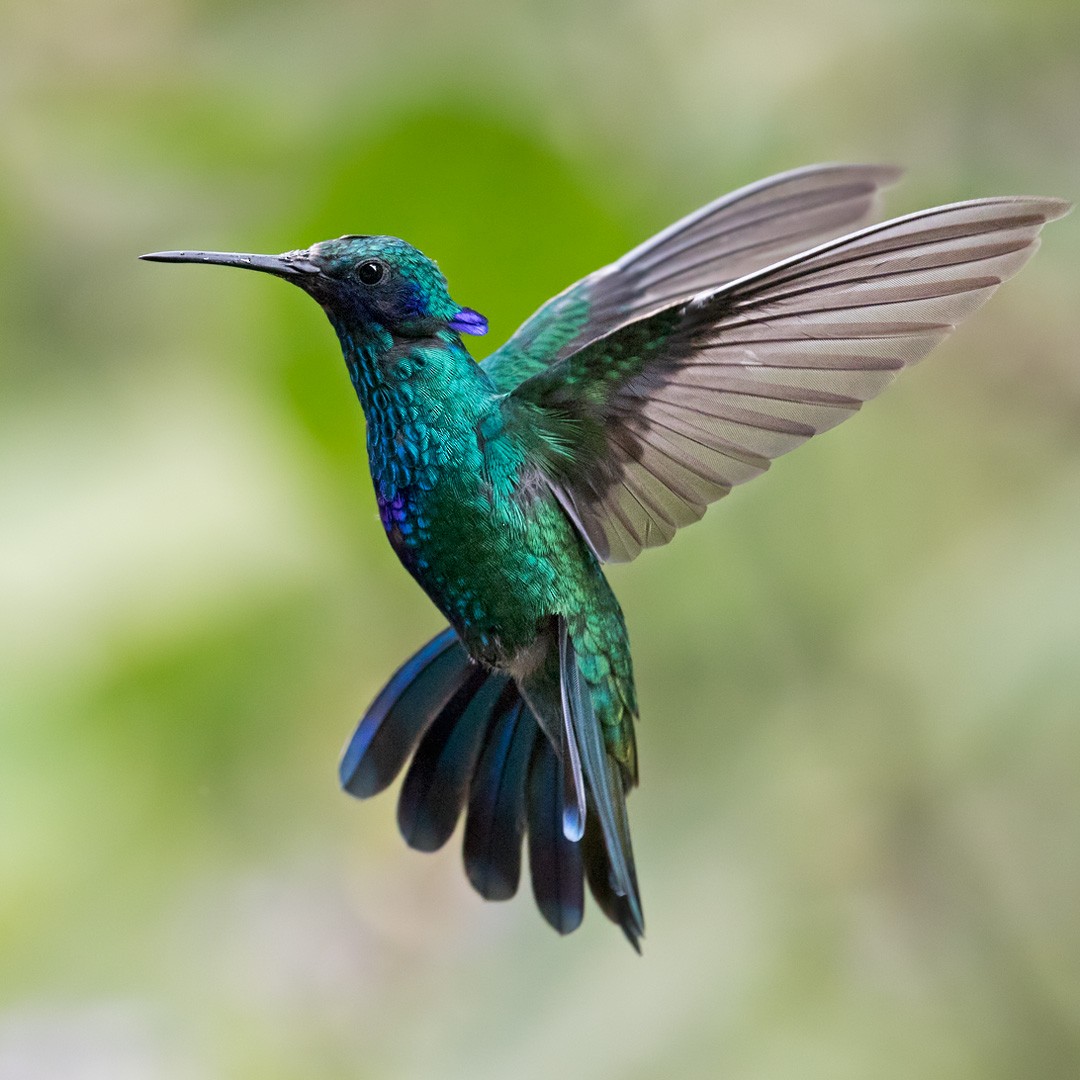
290, 265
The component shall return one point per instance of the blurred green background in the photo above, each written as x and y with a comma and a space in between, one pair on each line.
859, 819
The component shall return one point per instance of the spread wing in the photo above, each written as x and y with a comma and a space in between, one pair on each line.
731, 237
641, 429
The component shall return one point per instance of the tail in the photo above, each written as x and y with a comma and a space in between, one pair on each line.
611, 868
475, 742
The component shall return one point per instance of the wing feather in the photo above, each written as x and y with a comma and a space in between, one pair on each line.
674, 408
727, 239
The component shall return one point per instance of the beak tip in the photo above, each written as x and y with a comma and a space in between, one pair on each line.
166, 256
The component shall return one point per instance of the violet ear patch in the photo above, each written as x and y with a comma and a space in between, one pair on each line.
467, 321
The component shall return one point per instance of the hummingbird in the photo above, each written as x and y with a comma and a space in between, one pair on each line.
611, 418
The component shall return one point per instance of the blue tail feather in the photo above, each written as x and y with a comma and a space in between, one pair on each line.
402, 712
437, 781
554, 861
614, 905
604, 780
495, 823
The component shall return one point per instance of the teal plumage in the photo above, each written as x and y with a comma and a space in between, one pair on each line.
613, 417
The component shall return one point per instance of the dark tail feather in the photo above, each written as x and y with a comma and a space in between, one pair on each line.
555, 862
605, 782
410, 701
496, 820
598, 873
437, 782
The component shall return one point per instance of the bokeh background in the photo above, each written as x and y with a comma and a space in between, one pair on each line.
859, 821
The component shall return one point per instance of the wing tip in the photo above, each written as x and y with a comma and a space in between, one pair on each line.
1054, 207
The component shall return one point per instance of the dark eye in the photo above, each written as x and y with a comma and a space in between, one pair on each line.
371, 272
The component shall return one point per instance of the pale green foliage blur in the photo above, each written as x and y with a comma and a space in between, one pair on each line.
859, 676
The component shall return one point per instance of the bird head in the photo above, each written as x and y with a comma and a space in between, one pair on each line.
363, 283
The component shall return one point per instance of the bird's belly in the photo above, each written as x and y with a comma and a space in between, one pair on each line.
495, 568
